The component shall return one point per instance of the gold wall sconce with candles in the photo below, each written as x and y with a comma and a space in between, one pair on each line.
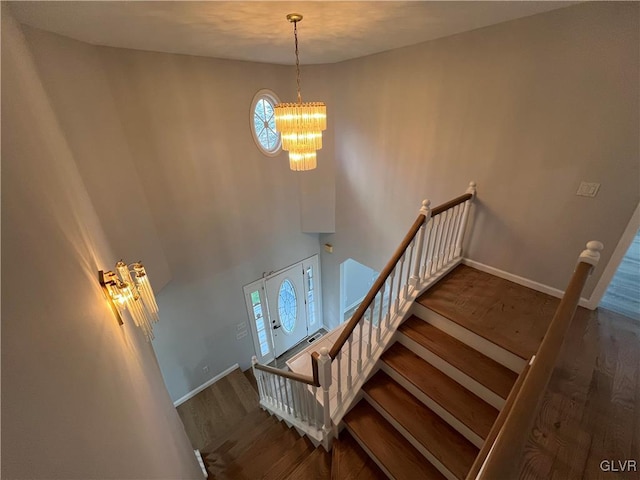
135, 294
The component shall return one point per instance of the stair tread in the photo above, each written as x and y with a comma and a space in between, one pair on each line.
468, 408
391, 449
350, 462
453, 450
505, 313
496, 377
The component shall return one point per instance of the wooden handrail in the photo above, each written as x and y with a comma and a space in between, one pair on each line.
285, 373
450, 204
386, 271
497, 425
505, 454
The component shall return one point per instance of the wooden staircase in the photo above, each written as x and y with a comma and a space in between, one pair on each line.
433, 400
263, 447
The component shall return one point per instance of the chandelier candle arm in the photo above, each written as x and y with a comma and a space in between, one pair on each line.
300, 124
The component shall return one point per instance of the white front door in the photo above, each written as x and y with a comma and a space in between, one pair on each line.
284, 308
287, 312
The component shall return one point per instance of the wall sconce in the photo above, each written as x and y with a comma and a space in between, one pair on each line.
123, 292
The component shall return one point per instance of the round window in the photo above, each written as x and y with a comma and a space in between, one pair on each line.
287, 306
263, 122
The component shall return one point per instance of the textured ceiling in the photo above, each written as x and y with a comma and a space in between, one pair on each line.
258, 31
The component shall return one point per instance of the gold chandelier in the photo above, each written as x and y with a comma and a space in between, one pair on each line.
300, 124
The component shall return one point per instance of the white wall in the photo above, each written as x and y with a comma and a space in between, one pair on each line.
356, 281
224, 212
527, 108
81, 397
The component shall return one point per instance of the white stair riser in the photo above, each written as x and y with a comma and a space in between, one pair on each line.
411, 439
482, 345
433, 405
452, 372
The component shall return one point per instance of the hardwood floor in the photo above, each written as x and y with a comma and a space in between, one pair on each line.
503, 312
591, 408
214, 412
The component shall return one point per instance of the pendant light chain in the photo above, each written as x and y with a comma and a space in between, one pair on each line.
295, 34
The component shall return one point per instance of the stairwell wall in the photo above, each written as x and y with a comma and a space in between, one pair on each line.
527, 109
81, 397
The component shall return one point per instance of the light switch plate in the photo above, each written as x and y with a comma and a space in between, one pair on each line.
588, 189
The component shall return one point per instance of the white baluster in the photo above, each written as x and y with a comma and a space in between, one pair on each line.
289, 407
445, 243
379, 296
295, 410
299, 399
429, 248
454, 232
339, 365
283, 405
276, 397
426, 211
406, 280
392, 300
436, 242
324, 371
314, 406
350, 358
399, 290
443, 235
465, 215
387, 318
370, 312
359, 364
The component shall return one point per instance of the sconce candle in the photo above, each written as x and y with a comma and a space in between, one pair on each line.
125, 293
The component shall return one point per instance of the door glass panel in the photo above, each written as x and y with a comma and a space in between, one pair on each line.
311, 305
287, 306
259, 319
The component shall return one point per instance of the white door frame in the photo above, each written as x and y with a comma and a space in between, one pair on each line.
614, 262
259, 285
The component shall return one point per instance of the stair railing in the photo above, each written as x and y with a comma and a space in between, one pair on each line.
292, 397
501, 453
429, 250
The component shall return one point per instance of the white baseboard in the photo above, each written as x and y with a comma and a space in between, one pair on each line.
525, 282
207, 384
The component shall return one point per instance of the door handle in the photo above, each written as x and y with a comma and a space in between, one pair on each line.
276, 326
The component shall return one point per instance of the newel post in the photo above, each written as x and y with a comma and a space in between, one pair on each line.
465, 215
324, 373
592, 254
426, 211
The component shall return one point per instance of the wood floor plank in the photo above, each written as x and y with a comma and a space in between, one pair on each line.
214, 412
391, 449
350, 462
468, 408
503, 312
481, 368
316, 466
591, 409
453, 450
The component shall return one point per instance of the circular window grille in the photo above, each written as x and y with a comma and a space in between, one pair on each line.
287, 306
263, 122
